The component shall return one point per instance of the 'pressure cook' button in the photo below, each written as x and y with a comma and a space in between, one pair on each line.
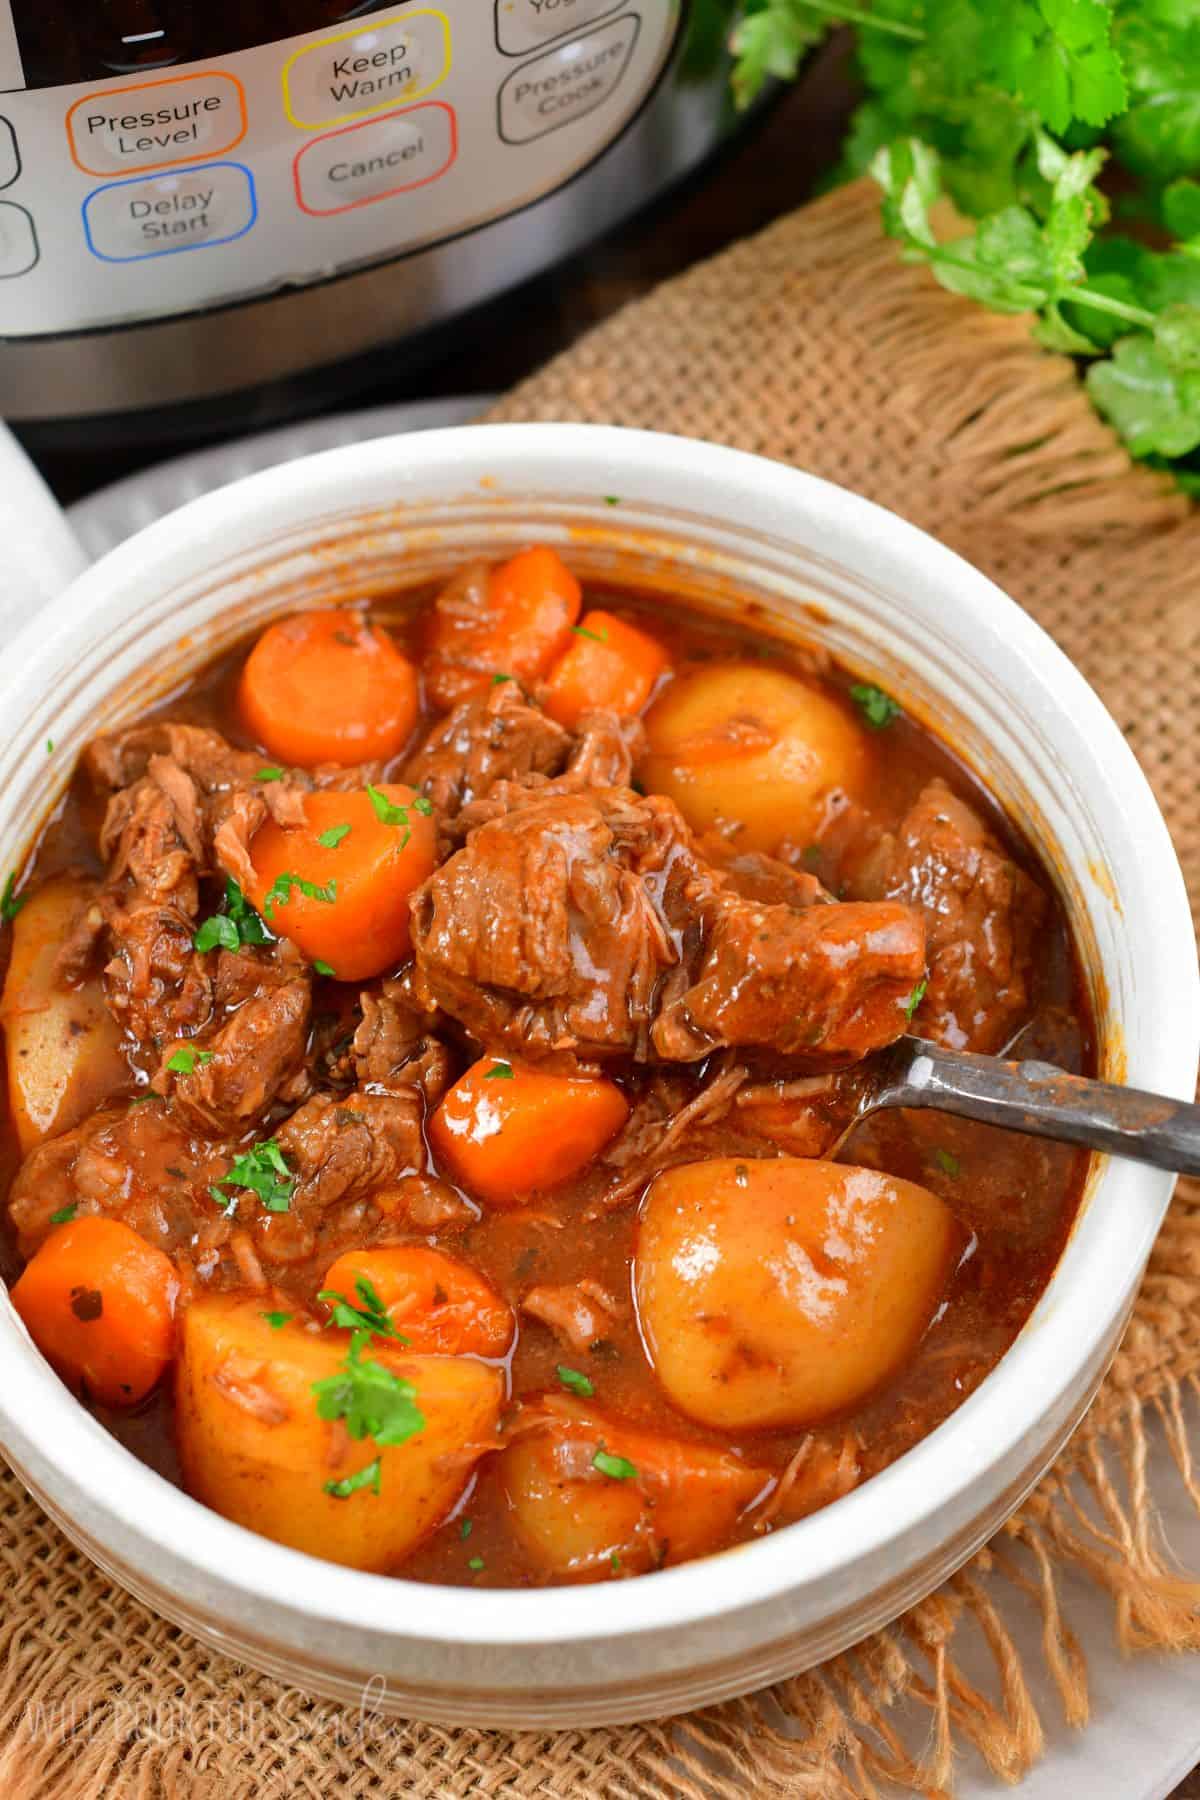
362, 163
10, 156
523, 25
566, 83
18, 240
157, 123
377, 65
189, 209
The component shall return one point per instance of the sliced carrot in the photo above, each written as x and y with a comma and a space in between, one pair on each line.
439, 1304
338, 885
99, 1303
608, 663
328, 687
505, 1130
513, 622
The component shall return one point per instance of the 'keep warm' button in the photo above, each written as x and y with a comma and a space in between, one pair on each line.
189, 209
373, 161
567, 82
377, 65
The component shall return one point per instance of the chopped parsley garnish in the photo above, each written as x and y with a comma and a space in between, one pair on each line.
373, 1402
500, 1071
597, 637
277, 1319
914, 999
65, 1214
876, 707
578, 1384
946, 1161
615, 1560
476, 1563
497, 679
264, 1171
10, 901
286, 883
270, 773
324, 968
184, 1061
236, 925
617, 1468
369, 1316
49, 746
366, 1477
329, 840
465, 1529
612, 500
389, 813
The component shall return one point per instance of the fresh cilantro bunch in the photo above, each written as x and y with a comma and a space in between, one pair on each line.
1026, 115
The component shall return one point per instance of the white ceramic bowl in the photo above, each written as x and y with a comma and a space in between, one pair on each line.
908, 614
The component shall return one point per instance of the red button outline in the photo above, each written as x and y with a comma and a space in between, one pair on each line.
362, 125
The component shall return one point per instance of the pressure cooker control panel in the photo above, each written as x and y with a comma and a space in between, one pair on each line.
209, 182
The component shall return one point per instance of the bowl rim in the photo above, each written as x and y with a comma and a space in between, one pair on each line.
102, 1480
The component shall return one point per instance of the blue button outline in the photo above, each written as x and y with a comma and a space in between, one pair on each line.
175, 249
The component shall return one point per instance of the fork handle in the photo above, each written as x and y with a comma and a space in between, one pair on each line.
1044, 1101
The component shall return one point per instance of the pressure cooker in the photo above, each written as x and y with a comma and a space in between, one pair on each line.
199, 199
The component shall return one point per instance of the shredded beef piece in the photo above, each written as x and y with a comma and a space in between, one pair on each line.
394, 1048
424, 1203
156, 986
606, 750
757, 876
499, 737
982, 914
586, 925
340, 1148
256, 1058
578, 1313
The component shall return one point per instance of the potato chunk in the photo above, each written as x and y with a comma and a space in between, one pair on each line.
737, 744
253, 1446
590, 1496
777, 1292
63, 1045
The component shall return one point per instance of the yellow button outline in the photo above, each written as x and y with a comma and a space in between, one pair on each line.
386, 105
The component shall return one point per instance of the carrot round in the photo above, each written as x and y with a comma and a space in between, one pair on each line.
338, 885
328, 687
608, 663
505, 1131
517, 627
440, 1305
99, 1303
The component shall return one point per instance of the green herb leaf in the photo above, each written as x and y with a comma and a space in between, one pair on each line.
612, 500
476, 1563
184, 1061
269, 774
946, 1161
65, 1214
1152, 399
915, 998
577, 1383
373, 1402
330, 839
264, 1172
597, 637
324, 968
369, 1316
366, 1477
500, 1071
497, 679
287, 883
238, 924
877, 708
466, 1527
49, 746
277, 1319
10, 901
617, 1468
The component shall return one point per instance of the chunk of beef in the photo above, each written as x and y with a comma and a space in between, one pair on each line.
393, 1046
586, 925
497, 738
156, 986
343, 1148
982, 915
606, 750
757, 876
579, 1313
256, 1058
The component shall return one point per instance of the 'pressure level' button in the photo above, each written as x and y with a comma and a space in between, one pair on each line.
18, 240
524, 25
373, 161
380, 64
156, 123
567, 82
189, 209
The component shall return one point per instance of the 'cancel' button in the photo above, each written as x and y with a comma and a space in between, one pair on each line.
376, 159
566, 83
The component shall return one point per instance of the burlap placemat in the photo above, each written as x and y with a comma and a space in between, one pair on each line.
812, 344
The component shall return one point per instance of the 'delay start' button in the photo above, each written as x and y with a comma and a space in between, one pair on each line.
373, 161
378, 65
567, 82
524, 25
189, 209
157, 123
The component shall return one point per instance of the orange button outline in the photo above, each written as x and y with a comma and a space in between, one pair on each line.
407, 187
142, 87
